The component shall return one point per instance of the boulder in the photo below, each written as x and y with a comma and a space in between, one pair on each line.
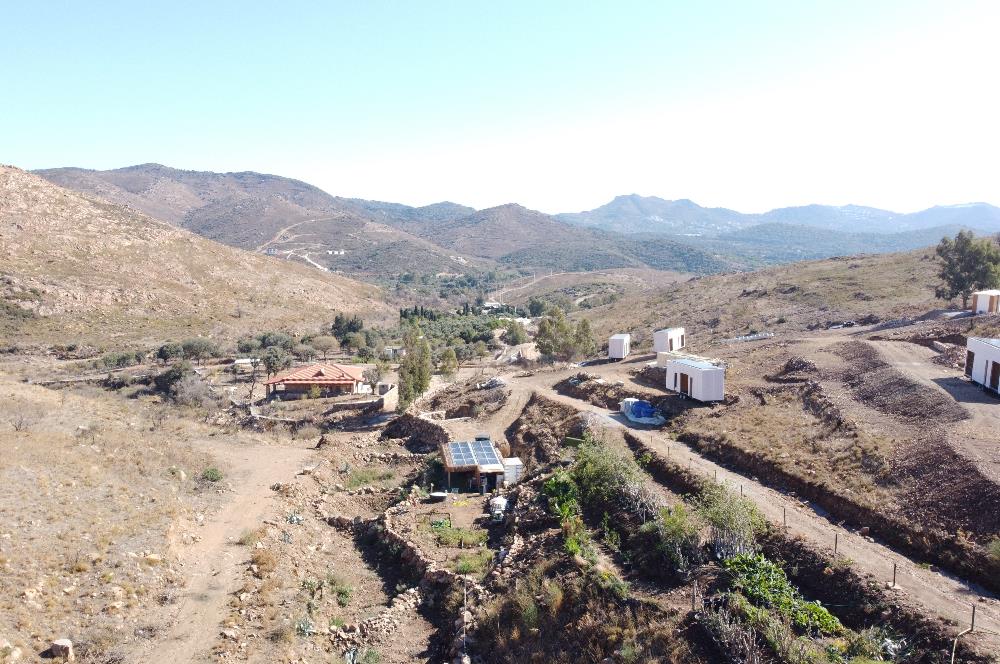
63, 648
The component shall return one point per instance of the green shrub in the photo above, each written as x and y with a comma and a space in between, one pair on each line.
473, 563
994, 549
446, 535
672, 539
340, 588
122, 359
211, 475
764, 584
735, 520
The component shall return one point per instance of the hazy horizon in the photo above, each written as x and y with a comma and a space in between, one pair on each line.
559, 108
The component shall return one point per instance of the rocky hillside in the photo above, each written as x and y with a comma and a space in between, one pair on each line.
76, 268
257, 211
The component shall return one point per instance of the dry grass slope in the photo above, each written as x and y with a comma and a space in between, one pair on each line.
790, 297
98, 271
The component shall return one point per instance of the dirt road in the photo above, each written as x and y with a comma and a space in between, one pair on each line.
277, 236
940, 594
213, 565
968, 439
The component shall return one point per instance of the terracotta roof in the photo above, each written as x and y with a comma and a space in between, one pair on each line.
320, 374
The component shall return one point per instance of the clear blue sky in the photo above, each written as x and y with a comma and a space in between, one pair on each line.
557, 105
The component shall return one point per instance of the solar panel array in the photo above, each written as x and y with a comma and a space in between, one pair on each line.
476, 453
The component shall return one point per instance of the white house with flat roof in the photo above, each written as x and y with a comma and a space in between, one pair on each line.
982, 361
668, 339
698, 379
986, 302
619, 346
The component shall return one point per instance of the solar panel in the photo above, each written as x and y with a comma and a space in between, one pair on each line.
475, 453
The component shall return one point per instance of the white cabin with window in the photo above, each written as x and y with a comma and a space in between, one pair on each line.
669, 339
982, 362
619, 346
986, 302
698, 379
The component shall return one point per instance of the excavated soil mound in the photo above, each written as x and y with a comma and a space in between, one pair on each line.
537, 435
875, 383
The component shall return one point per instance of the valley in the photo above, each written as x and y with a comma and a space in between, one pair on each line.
172, 493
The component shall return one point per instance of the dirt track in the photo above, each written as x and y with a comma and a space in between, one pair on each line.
966, 437
213, 564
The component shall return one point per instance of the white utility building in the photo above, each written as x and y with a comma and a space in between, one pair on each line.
698, 379
668, 339
619, 346
982, 361
986, 302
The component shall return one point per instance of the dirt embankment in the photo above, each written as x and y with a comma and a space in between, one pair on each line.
596, 390
469, 400
859, 597
421, 435
537, 435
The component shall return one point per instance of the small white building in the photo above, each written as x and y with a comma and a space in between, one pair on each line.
986, 302
668, 339
698, 379
513, 469
619, 346
982, 361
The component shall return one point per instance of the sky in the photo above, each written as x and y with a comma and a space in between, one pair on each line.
559, 106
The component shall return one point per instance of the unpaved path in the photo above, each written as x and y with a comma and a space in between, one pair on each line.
213, 565
975, 438
277, 236
940, 594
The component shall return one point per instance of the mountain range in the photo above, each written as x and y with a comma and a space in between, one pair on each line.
649, 214
379, 241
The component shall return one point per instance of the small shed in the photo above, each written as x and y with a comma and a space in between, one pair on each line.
619, 346
699, 379
513, 469
982, 362
986, 302
668, 339
473, 464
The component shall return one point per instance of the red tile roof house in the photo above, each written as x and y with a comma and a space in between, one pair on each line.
331, 379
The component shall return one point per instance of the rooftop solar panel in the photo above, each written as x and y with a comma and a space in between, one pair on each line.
475, 453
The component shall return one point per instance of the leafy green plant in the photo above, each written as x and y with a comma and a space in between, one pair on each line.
340, 588
211, 475
764, 584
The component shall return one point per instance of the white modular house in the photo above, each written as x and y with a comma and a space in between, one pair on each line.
668, 339
986, 302
619, 346
698, 379
982, 362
